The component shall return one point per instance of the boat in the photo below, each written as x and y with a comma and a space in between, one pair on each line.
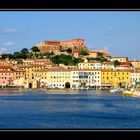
136, 94
127, 92
131, 92
115, 90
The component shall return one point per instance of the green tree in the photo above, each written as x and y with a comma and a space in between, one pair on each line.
101, 59
18, 55
47, 54
24, 51
116, 62
90, 58
84, 53
35, 49
65, 59
10, 56
29, 55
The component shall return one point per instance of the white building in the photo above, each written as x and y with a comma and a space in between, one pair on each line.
86, 78
135, 77
108, 65
119, 58
90, 65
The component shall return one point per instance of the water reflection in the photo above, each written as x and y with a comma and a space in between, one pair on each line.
42, 109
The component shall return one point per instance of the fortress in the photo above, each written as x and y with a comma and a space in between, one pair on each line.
58, 46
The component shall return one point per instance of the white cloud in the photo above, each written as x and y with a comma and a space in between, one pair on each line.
9, 43
11, 30
3, 50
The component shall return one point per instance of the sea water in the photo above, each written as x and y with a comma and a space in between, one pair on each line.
37, 109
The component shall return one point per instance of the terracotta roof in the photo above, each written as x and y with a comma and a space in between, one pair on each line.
5, 67
86, 70
53, 69
4, 71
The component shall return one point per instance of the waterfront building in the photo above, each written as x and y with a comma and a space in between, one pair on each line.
86, 78
41, 77
19, 73
29, 69
115, 78
135, 76
59, 78
54, 78
6, 77
119, 58
19, 77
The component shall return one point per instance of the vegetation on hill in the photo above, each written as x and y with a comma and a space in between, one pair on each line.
100, 59
84, 53
69, 50
35, 49
56, 59
116, 63
65, 59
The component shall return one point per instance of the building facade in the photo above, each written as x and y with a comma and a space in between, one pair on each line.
115, 78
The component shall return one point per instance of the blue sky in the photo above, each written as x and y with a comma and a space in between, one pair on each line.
119, 32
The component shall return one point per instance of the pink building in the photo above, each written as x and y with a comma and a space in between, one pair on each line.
6, 77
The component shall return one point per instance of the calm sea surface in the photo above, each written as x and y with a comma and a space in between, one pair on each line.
50, 109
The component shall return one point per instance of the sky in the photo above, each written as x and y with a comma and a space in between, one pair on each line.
115, 31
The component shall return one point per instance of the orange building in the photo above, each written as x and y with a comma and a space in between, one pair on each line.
57, 46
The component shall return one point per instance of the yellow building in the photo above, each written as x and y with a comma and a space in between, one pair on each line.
54, 77
29, 69
41, 77
115, 78
19, 73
